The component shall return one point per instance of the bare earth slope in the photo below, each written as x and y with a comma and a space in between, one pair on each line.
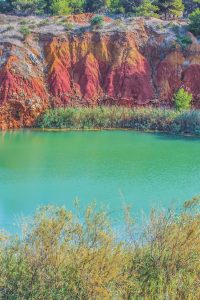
132, 62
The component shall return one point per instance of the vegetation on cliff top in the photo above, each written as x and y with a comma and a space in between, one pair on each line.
166, 8
61, 255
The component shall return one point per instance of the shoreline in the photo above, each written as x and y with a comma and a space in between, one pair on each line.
112, 118
101, 129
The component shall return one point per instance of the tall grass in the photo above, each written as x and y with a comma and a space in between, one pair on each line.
61, 255
120, 117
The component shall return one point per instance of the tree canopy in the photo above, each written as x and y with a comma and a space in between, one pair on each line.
166, 8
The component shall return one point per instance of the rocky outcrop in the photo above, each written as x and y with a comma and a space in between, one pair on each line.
133, 62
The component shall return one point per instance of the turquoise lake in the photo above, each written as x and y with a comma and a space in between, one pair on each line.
111, 167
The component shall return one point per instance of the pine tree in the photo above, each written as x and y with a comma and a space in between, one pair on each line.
95, 5
116, 6
170, 7
194, 25
60, 7
147, 9
177, 8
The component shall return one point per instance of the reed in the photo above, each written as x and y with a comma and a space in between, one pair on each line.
179, 122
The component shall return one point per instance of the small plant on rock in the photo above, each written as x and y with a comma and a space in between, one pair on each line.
184, 41
25, 31
97, 21
23, 22
68, 26
44, 23
10, 28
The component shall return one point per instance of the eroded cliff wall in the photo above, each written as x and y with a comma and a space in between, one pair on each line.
132, 62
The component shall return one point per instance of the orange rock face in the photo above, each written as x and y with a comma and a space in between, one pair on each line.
92, 69
135, 67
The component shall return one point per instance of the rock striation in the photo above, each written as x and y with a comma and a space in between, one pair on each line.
131, 62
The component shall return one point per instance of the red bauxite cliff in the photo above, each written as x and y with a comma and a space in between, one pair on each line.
132, 62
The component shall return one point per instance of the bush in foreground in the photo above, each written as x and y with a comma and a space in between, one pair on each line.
61, 255
174, 121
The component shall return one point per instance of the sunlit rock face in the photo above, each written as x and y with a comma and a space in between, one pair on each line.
132, 62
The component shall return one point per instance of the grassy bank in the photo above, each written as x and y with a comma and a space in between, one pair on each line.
78, 256
187, 122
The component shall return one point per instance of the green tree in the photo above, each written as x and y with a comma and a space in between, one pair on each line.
130, 5
95, 5
177, 8
170, 7
29, 6
116, 6
77, 6
5, 6
97, 21
190, 6
182, 99
194, 25
147, 9
60, 7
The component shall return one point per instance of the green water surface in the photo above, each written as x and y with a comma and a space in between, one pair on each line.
111, 167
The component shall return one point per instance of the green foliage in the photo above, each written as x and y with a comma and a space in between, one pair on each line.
184, 41
167, 120
60, 7
23, 22
194, 25
97, 21
147, 9
182, 99
95, 5
116, 6
107, 117
10, 28
176, 8
28, 6
130, 5
25, 31
44, 22
77, 6
170, 7
65, 255
68, 26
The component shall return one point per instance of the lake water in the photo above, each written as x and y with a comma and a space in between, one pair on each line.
111, 167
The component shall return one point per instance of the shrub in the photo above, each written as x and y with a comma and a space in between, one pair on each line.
147, 9
25, 31
184, 41
65, 255
97, 21
194, 25
44, 22
23, 22
27, 7
10, 28
68, 26
167, 120
108, 117
60, 7
115, 6
182, 99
